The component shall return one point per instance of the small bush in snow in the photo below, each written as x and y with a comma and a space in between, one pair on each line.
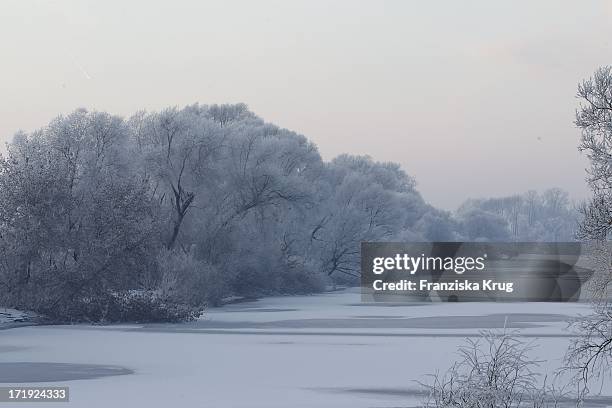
127, 306
185, 279
493, 371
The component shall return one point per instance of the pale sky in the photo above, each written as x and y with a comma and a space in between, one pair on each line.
473, 98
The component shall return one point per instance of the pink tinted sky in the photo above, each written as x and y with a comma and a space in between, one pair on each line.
473, 98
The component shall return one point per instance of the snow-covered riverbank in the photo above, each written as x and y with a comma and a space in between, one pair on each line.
11, 318
328, 350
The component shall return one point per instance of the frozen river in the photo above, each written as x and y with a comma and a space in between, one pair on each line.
328, 350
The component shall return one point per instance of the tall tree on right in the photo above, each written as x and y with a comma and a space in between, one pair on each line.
594, 118
591, 353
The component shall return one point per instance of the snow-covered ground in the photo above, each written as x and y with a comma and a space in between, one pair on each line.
327, 350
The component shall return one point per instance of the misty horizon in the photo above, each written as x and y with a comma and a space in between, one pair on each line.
430, 86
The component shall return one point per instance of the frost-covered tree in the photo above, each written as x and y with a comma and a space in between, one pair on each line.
594, 118
365, 200
177, 147
591, 353
482, 225
75, 218
189, 206
549, 216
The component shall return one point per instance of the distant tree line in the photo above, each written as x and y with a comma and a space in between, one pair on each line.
152, 217
549, 216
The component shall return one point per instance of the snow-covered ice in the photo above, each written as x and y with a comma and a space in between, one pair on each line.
328, 350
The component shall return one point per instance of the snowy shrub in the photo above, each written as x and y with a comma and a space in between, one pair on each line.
493, 371
299, 277
126, 306
189, 280
148, 307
